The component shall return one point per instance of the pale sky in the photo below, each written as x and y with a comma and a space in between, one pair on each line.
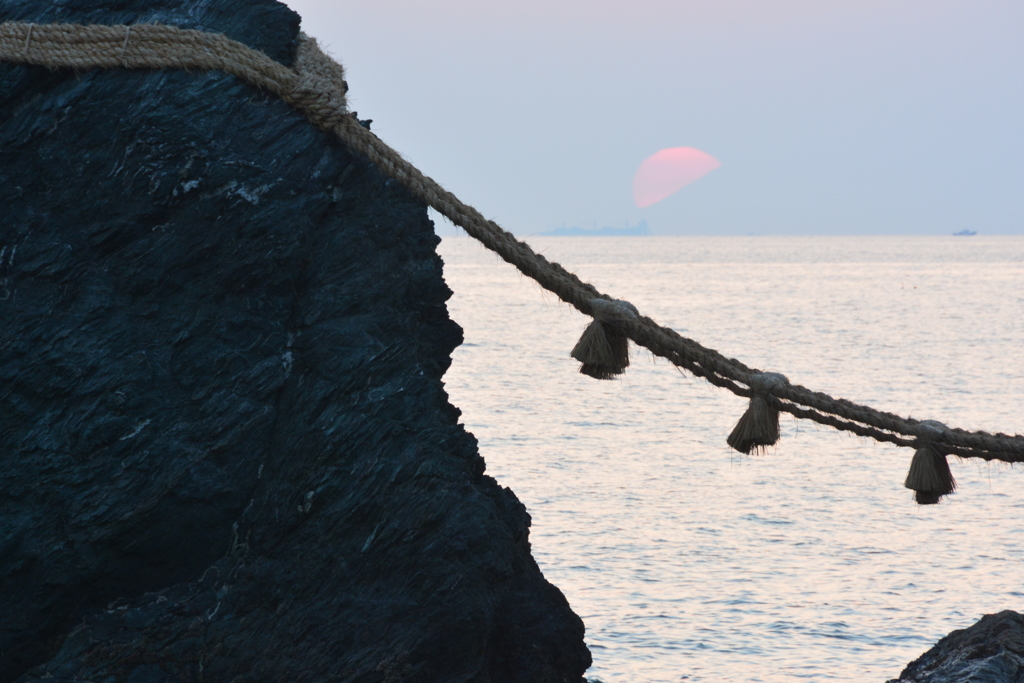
828, 116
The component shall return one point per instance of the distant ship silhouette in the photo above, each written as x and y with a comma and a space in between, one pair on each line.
965, 233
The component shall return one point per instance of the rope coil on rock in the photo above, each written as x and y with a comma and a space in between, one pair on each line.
316, 86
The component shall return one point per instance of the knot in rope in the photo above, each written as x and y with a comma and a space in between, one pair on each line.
929, 431
767, 382
613, 310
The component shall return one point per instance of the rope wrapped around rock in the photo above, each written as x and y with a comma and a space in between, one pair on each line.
316, 87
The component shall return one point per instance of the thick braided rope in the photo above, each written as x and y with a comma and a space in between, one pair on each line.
316, 87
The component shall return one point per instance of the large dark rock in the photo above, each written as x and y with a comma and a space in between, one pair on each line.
227, 454
990, 651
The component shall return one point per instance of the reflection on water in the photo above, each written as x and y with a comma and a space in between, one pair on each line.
691, 562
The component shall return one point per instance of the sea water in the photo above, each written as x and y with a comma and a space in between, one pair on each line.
690, 562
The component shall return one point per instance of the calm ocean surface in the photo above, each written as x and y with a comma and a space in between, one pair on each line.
690, 562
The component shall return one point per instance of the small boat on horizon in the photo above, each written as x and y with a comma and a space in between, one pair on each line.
965, 233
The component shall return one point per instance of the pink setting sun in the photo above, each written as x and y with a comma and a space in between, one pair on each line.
668, 171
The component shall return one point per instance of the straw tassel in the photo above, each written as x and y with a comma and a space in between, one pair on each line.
758, 428
929, 476
603, 348
603, 351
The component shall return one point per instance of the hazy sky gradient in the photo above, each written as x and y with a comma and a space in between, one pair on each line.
829, 117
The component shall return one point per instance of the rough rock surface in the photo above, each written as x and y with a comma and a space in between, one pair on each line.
227, 454
991, 651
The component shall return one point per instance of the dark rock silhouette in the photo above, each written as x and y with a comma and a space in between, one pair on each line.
227, 451
990, 651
